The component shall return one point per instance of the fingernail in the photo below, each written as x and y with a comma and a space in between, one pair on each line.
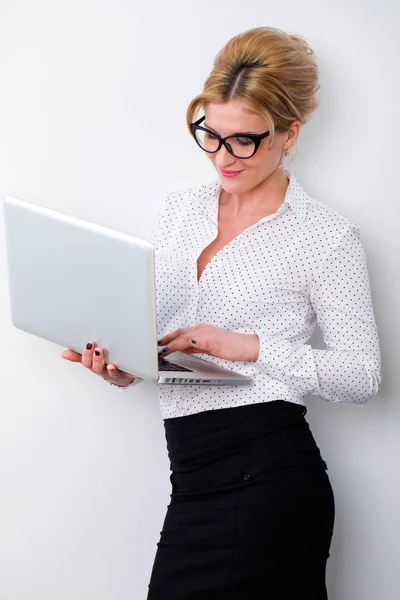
165, 350
88, 346
97, 352
159, 341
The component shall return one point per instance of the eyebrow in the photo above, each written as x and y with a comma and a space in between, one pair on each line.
237, 133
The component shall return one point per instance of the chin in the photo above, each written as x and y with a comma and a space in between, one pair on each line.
230, 185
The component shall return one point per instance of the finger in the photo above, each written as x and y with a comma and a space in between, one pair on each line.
115, 374
113, 371
192, 350
185, 343
98, 362
175, 334
87, 354
71, 355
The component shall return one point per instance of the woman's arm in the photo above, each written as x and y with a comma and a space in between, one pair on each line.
349, 369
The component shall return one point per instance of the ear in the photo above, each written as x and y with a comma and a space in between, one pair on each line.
293, 132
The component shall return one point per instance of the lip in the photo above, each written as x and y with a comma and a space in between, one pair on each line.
229, 173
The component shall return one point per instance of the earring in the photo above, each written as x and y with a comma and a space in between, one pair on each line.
287, 151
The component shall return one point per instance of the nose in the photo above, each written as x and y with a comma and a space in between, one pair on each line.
223, 158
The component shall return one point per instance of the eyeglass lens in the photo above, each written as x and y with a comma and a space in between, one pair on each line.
242, 146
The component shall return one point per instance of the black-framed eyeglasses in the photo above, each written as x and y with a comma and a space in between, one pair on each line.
240, 145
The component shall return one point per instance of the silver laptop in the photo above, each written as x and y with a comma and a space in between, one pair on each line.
71, 281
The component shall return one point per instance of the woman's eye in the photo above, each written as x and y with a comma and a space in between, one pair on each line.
244, 141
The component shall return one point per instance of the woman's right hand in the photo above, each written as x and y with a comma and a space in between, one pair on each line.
94, 359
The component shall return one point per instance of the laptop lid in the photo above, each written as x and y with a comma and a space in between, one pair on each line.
71, 281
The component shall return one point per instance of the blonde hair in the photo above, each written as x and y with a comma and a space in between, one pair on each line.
270, 72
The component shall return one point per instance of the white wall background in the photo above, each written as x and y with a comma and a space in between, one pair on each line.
93, 96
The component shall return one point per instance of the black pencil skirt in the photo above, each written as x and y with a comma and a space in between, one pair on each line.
252, 508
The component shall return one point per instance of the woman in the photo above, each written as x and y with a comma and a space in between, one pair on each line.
246, 266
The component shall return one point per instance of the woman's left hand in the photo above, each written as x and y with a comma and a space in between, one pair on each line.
206, 339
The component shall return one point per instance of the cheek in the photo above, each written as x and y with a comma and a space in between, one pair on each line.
265, 158
258, 163
211, 157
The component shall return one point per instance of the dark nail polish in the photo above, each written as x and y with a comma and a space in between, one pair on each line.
88, 346
165, 350
159, 342
97, 353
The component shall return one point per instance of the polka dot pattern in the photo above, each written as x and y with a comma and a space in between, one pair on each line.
302, 266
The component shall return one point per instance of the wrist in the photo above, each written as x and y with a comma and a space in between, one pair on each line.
133, 381
255, 353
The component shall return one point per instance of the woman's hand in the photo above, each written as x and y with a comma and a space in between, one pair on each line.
94, 359
211, 340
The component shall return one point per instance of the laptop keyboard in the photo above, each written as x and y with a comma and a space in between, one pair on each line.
164, 365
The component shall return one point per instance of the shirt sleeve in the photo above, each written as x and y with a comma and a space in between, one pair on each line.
162, 225
348, 370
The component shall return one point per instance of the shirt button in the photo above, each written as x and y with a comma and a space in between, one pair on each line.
246, 476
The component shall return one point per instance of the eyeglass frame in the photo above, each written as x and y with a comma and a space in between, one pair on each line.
255, 137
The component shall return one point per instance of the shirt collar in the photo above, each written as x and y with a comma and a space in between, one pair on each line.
296, 198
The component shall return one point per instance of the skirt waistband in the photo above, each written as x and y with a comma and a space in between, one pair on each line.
198, 439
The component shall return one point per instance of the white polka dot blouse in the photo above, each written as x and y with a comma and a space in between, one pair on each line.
300, 267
